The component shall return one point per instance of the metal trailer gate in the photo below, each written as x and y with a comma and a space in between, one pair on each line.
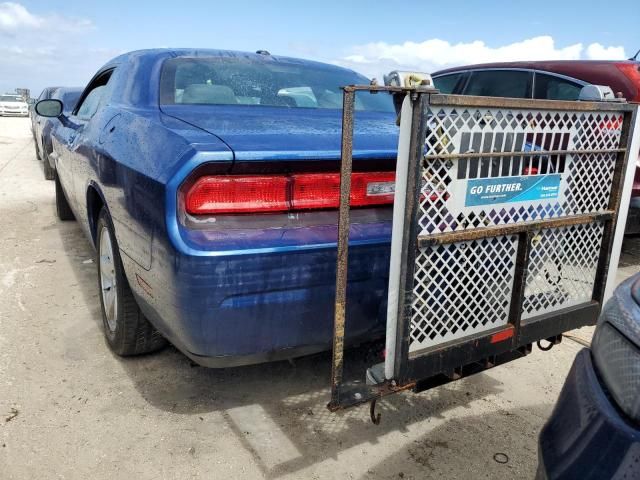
504, 221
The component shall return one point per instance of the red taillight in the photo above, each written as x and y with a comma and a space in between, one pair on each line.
632, 72
237, 194
279, 193
530, 171
315, 191
318, 190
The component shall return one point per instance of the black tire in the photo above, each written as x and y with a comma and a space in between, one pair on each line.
62, 205
130, 333
49, 172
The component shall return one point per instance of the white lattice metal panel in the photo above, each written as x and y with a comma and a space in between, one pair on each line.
562, 268
461, 289
585, 181
465, 288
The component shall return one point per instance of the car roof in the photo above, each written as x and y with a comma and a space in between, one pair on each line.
160, 53
597, 72
49, 89
560, 66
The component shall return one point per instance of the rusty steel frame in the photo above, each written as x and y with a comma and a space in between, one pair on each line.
448, 362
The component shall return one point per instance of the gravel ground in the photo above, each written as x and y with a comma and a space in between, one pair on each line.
70, 409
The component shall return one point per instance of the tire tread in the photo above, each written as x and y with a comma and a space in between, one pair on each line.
134, 335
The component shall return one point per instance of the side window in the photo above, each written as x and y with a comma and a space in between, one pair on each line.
550, 87
500, 83
91, 99
90, 104
447, 83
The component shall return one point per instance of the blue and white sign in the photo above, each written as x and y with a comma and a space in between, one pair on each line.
487, 191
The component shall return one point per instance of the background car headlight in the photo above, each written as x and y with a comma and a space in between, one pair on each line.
618, 362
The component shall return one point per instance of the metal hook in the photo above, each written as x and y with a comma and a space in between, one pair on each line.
375, 418
544, 349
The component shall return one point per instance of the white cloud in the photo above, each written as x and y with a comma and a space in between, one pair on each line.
377, 58
595, 51
15, 18
44, 49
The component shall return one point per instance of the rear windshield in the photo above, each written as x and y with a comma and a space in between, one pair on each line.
239, 81
10, 98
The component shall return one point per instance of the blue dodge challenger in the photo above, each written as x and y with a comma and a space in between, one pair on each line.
208, 183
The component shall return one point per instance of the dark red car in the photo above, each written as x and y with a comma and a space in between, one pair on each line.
551, 80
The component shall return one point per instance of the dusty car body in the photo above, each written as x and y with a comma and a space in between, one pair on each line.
154, 139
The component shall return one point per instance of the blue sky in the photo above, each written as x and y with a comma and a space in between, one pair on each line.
64, 42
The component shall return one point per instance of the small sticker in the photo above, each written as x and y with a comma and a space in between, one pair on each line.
487, 191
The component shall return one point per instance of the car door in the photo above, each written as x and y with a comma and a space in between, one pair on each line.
62, 135
86, 133
500, 83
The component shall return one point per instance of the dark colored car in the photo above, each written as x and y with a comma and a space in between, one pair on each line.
208, 182
42, 135
35, 118
594, 430
550, 80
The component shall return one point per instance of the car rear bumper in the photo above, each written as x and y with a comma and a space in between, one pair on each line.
245, 309
586, 437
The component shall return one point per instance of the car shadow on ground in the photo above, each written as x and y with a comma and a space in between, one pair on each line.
278, 406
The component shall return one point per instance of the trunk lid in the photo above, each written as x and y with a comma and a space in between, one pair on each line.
257, 133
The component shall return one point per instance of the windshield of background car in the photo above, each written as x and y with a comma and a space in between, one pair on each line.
10, 98
236, 81
68, 99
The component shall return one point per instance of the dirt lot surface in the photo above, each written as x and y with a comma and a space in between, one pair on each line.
70, 409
